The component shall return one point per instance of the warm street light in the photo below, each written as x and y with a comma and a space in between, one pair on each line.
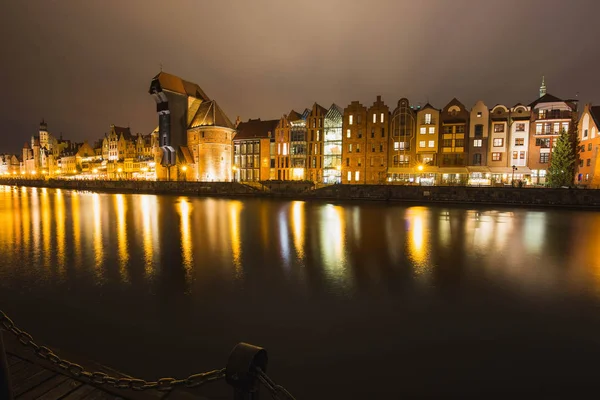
119, 170
420, 168
95, 170
184, 168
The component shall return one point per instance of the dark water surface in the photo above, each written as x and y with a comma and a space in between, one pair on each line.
352, 301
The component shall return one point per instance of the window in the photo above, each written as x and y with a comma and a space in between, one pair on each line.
587, 177
477, 143
515, 155
381, 147
348, 134
565, 126
347, 162
589, 147
382, 132
477, 159
350, 119
358, 148
460, 129
396, 145
538, 129
422, 143
423, 130
496, 156
520, 127
588, 162
374, 119
447, 143
373, 147
402, 145
350, 148
478, 114
544, 158
519, 141
359, 133
372, 132
543, 143
428, 119
581, 163
358, 119
349, 176
582, 149
371, 161
319, 132
498, 142
498, 128
478, 130
447, 129
460, 142
357, 176
521, 155
431, 144
431, 130
359, 162
381, 118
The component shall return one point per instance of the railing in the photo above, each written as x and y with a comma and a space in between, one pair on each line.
245, 371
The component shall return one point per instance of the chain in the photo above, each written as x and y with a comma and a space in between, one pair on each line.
100, 378
278, 392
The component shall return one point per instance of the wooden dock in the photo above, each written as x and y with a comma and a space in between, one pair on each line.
33, 378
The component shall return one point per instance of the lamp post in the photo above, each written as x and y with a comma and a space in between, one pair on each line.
514, 168
420, 169
234, 168
184, 169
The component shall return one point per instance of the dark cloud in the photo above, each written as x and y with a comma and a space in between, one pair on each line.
83, 65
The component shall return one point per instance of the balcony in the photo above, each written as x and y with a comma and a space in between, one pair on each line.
432, 121
552, 114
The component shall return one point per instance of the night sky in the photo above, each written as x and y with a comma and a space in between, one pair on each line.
83, 65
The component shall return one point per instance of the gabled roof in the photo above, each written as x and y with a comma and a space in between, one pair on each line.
255, 128
126, 132
428, 106
334, 110
547, 98
319, 107
293, 116
26, 145
175, 84
595, 113
455, 102
210, 114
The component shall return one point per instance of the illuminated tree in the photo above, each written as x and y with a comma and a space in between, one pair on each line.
563, 164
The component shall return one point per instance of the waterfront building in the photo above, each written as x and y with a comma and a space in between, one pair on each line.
376, 149
426, 129
314, 130
195, 135
403, 154
254, 156
282, 149
332, 145
498, 160
38, 157
588, 174
454, 125
298, 143
518, 146
354, 127
549, 116
479, 173
9, 165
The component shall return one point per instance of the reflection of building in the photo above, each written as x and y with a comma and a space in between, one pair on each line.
314, 143
252, 158
332, 145
549, 116
454, 124
403, 153
376, 149
194, 134
354, 126
589, 136
298, 142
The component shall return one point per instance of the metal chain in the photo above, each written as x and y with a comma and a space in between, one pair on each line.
276, 390
100, 378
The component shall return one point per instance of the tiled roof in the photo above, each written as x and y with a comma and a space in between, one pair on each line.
255, 128
126, 132
176, 84
210, 114
547, 98
293, 116
595, 112
26, 145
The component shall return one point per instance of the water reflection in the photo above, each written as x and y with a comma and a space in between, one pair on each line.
76, 228
122, 236
59, 212
235, 208
185, 211
298, 226
97, 234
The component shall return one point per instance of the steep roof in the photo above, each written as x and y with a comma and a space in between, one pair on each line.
255, 128
595, 112
175, 84
126, 132
293, 116
547, 98
210, 114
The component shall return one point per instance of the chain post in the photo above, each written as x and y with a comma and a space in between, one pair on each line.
240, 371
5, 390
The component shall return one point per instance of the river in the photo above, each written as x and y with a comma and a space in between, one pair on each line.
352, 300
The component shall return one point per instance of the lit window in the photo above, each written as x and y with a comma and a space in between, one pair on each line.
431, 130
357, 176
522, 155
428, 118
422, 143
477, 143
520, 127
349, 176
350, 119
402, 145
350, 148
396, 145
423, 130
565, 126
496, 156
498, 128
432, 143
381, 118
358, 148
348, 135
374, 118
278, 148
479, 114
519, 141
285, 149
538, 129
544, 158
515, 155
498, 142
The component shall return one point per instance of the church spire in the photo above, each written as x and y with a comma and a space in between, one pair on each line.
543, 87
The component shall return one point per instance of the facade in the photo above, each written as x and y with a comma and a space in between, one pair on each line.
253, 158
427, 129
479, 173
354, 127
588, 174
282, 150
498, 159
298, 144
332, 145
376, 149
315, 129
518, 147
549, 116
37, 156
402, 148
9, 165
454, 125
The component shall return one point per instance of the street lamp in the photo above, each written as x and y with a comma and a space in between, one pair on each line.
514, 168
234, 168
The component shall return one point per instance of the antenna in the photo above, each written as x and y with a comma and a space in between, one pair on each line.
160, 64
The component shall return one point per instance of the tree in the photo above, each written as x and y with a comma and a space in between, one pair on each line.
563, 164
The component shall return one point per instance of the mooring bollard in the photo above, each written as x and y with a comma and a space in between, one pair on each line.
240, 372
5, 391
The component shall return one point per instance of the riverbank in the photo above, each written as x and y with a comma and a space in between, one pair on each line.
507, 196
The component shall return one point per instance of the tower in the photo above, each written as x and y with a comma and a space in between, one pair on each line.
43, 134
543, 87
